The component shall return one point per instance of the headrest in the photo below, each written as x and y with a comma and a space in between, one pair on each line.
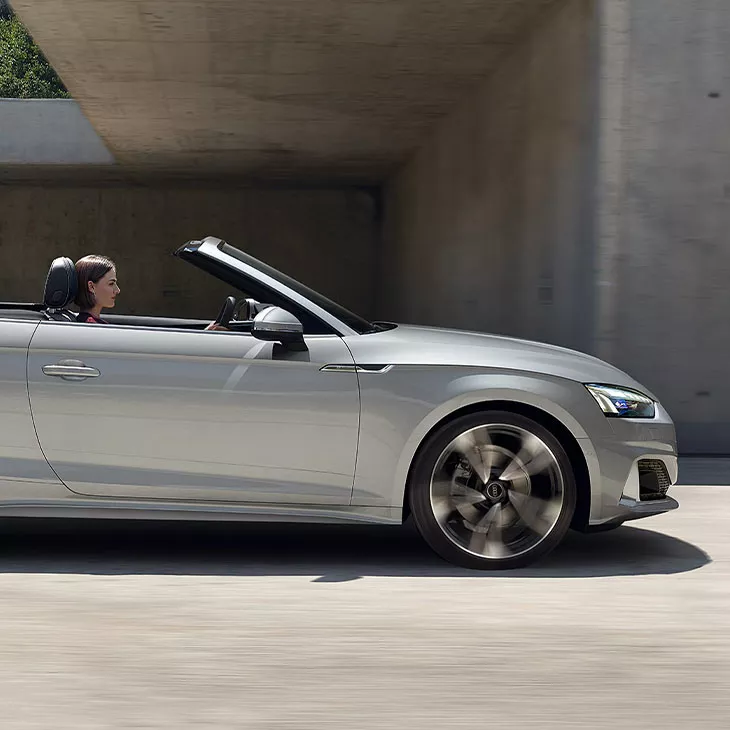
62, 283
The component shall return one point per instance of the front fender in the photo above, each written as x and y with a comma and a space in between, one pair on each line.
400, 408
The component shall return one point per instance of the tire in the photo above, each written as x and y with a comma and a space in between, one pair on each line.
492, 491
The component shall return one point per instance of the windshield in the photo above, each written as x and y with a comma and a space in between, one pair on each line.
353, 321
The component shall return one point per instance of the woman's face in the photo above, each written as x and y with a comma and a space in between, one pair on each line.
105, 290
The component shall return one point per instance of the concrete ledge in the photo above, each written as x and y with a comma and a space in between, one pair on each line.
48, 132
696, 470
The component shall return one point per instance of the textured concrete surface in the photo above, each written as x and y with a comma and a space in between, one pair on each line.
48, 132
271, 87
582, 197
666, 261
331, 627
325, 238
488, 226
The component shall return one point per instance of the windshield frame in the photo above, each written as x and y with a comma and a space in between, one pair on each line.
333, 316
355, 322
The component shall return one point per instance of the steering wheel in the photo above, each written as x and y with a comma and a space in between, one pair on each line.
226, 313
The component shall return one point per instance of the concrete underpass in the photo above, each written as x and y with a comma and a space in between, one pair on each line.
556, 170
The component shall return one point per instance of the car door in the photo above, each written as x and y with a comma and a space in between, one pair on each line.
24, 472
150, 413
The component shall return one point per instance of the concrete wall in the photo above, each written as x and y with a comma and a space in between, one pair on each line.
665, 255
486, 226
582, 196
48, 132
327, 239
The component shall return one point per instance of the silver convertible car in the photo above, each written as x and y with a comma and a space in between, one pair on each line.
303, 411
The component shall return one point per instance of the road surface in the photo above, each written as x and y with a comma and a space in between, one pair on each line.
268, 627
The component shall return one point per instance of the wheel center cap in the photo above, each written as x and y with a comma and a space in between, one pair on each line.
495, 491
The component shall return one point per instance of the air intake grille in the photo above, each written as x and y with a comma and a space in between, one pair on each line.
653, 479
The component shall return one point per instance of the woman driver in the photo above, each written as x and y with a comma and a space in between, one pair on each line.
98, 289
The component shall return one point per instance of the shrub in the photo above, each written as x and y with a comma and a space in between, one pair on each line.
24, 71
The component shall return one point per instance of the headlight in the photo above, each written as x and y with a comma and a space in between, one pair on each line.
618, 402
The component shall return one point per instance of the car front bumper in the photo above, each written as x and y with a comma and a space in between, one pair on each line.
636, 467
632, 509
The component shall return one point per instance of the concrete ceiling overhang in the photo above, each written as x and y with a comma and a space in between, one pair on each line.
271, 89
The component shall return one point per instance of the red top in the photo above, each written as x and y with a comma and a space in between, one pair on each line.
90, 318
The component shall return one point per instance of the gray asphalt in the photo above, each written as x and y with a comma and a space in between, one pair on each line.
255, 626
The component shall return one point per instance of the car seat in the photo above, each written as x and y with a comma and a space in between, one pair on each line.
61, 287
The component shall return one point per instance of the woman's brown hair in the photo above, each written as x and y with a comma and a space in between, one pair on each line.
90, 268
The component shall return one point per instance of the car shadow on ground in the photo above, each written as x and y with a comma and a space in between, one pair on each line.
330, 553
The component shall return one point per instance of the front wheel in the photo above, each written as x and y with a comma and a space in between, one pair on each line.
492, 491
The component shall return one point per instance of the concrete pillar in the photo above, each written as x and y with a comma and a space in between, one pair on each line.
664, 207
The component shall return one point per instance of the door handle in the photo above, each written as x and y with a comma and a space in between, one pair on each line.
70, 370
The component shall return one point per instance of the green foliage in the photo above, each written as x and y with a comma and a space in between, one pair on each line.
24, 71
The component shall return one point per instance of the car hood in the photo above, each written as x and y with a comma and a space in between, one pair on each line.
410, 345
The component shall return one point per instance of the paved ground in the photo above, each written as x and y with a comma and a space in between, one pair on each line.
363, 628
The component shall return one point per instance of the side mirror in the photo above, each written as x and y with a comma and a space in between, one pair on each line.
277, 325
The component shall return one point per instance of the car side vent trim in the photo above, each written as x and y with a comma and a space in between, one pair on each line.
338, 369
372, 369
